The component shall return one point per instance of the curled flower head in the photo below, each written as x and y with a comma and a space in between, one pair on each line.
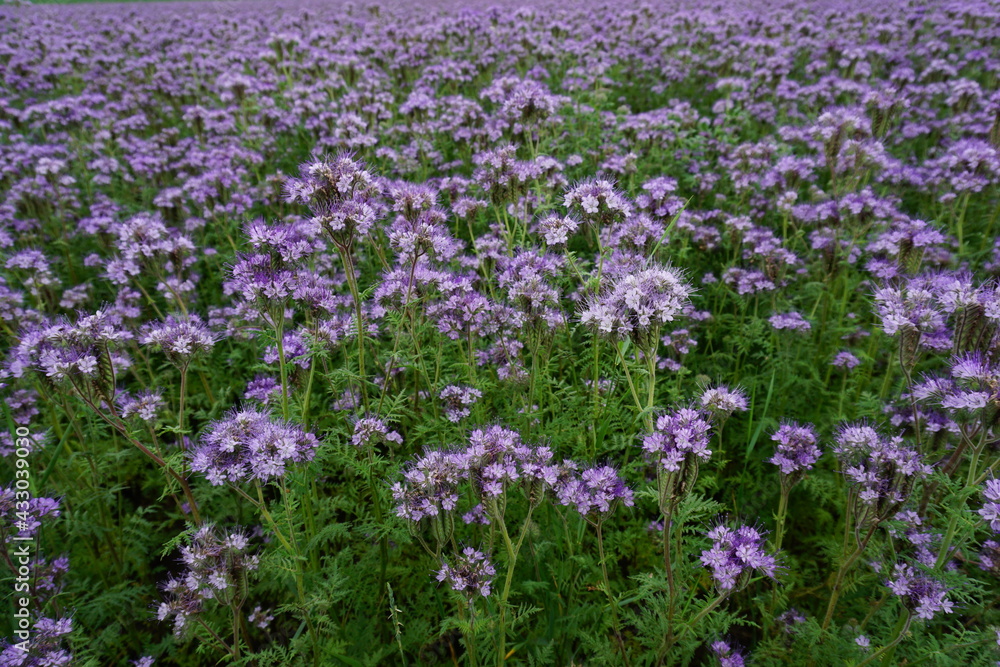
342, 195
216, 567
597, 201
144, 405
43, 647
458, 400
734, 556
678, 444
471, 574
429, 485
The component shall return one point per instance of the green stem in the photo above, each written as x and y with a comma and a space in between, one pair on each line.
842, 572
279, 329
512, 551
607, 589
352, 283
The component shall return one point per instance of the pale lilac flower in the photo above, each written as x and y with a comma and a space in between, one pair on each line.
594, 493
181, 338
260, 617
722, 401
216, 566
883, 470
556, 229
144, 405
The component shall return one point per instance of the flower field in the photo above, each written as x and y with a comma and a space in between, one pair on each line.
442, 333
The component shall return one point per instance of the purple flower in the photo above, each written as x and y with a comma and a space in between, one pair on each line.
471, 574
990, 510
27, 522
845, 359
556, 229
728, 655
216, 565
920, 593
144, 405
678, 444
341, 194
595, 493
430, 485
635, 305
884, 470
457, 399
370, 431
792, 320
722, 401
182, 338
796, 451
260, 617
43, 647
989, 557
250, 445
735, 555
263, 389
597, 201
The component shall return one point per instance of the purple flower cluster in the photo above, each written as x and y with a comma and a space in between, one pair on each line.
370, 431
676, 447
26, 520
792, 321
180, 338
457, 401
735, 555
494, 461
635, 305
341, 194
920, 593
216, 567
721, 402
471, 574
796, 452
883, 470
990, 510
43, 648
596, 492
250, 445
144, 405
727, 654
